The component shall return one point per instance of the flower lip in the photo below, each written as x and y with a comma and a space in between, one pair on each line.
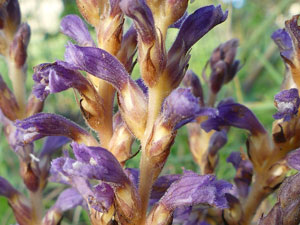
192, 189
287, 102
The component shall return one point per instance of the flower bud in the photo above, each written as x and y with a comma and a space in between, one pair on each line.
18, 48
152, 56
30, 177
223, 64
128, 49
11, 17
121, 141
8, 102
192, 81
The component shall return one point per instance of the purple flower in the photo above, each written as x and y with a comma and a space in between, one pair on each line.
8, 102
181, 107
75, 28
287, 102
284, 43
96, 62
53, 143
53, 78
223, 64
102, 164
193, 189
45, 124
236, 115
196, 25
192, 81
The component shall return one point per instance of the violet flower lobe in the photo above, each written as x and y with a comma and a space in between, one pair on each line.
287, 102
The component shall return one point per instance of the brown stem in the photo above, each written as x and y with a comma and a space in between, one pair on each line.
254, 199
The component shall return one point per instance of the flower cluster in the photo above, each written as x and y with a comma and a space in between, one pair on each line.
150, 110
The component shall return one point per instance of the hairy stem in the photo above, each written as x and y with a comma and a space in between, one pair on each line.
37, 207
256, 196
18, 76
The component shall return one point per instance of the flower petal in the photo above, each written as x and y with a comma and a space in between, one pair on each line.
236, 115
192, 189
75, 28
293, 159
97, 62
46, 124
284, 43
197, 25
53, 78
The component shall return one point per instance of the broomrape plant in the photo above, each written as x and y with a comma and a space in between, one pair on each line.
151, 110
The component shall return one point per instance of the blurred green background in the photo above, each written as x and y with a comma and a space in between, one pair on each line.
251, 21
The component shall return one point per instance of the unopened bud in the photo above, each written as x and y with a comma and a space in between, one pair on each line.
18, 48
30, 178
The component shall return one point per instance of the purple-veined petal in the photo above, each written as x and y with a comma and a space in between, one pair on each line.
193, 189
53, 78
197, 25
287, 102
293, 159
181, 107
236, 115
46, 124
75, 28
